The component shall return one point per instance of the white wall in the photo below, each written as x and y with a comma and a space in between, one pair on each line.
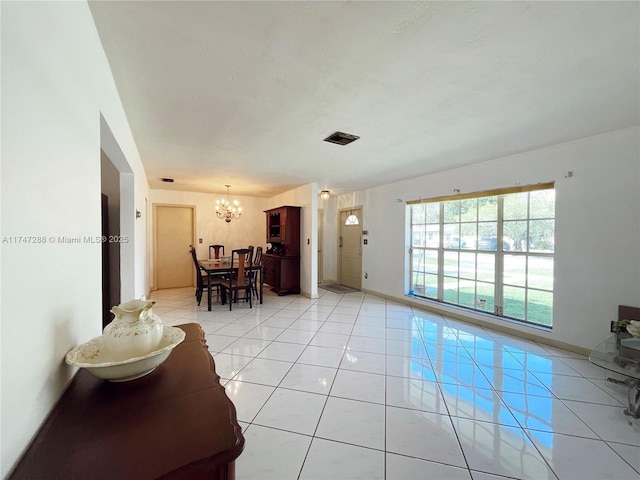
597, 257
307, 198
330, 237
56, 83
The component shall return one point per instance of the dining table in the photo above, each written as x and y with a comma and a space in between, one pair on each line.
220, 267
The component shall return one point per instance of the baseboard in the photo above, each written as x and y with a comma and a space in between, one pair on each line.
457, 315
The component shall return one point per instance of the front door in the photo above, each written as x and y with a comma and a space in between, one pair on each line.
173, 238
350, 248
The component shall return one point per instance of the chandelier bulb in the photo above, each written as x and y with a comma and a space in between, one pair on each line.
227, 210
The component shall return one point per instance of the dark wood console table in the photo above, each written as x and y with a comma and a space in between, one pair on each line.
175, 423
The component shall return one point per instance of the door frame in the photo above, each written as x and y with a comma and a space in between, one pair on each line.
339, 253
320, 257
155, 237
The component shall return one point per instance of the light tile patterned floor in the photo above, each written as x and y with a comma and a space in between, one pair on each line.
353, 386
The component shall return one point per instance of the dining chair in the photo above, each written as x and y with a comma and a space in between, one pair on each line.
216, 251
239, 278
201, 276
257, 259
250, 247
202, 279
257, 262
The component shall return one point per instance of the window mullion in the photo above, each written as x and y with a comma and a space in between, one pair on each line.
441, 255
526, 264
499, 265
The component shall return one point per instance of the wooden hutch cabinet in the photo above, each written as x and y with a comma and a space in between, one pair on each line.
281, 262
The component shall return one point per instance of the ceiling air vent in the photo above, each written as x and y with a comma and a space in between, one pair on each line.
167, 180
341, 138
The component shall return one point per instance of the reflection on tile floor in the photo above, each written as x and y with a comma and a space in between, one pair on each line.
354, 386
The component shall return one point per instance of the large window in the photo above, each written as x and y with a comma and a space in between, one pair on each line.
490, 252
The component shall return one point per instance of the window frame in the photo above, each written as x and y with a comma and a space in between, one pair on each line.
451, 248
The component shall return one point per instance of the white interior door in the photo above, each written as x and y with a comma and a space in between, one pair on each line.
173, 237
350, 249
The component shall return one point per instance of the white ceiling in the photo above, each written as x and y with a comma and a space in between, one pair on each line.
243, 93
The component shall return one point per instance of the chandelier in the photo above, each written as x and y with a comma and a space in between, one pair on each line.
227, 210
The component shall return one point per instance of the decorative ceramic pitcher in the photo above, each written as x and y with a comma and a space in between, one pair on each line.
134, 332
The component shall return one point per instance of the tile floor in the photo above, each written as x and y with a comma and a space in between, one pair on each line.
354, 386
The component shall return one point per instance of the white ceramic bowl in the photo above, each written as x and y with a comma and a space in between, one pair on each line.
634, 328
92, 356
